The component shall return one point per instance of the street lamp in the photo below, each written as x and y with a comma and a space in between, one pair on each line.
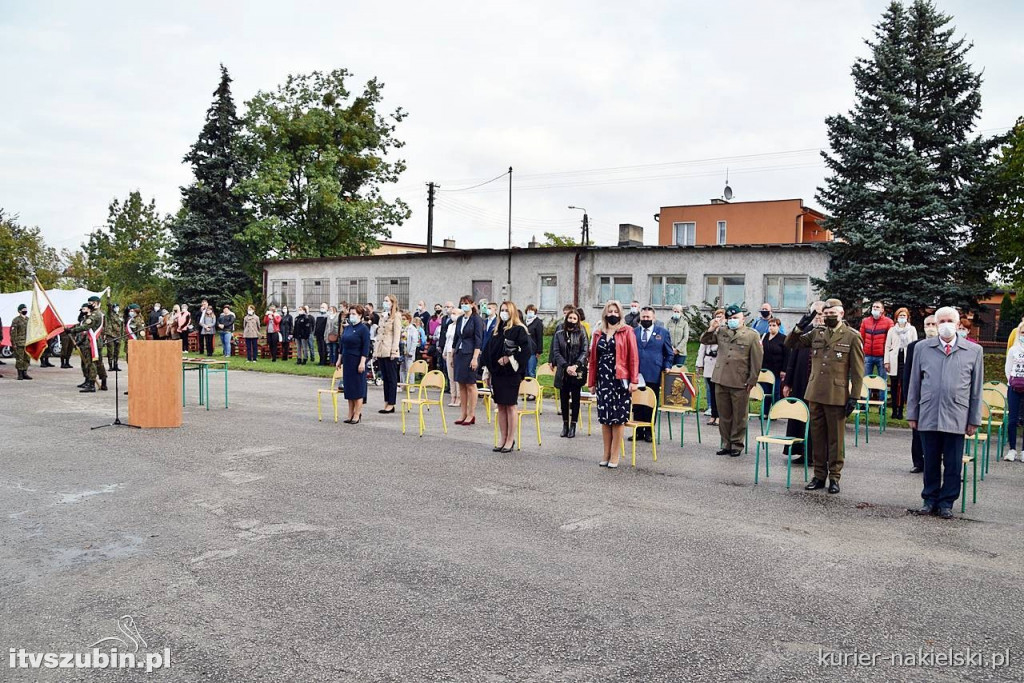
586, 225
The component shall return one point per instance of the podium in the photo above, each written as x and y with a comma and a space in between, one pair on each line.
154, 383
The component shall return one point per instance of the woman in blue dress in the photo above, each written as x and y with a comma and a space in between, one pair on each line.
355, 350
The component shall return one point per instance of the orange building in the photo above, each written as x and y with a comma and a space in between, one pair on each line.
781, 221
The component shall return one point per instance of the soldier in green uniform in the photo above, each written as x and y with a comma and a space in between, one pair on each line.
19, 333
133, 327
67, 347
833, 387
90, 332
113, 329
739, 363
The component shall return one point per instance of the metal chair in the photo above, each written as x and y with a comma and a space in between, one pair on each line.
545, 370
861, 409
434, 379
783, 409
418, 368
528, 388
876, 383
756, 394
679, 405
333, 391
643, 396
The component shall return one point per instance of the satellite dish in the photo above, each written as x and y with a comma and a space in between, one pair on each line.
727, 193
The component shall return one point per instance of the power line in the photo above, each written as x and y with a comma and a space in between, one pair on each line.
463, 189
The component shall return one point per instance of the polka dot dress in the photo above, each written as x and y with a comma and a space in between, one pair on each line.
612, 397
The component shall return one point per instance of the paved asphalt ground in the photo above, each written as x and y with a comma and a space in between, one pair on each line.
259, 544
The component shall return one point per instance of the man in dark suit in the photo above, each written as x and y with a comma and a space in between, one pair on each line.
916, 451
654, 347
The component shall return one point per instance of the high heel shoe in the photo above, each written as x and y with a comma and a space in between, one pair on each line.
358, 419
510, 448
460, 422
471, 421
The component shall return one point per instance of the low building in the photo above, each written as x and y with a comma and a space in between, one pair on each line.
551, 277
782, 221
386, 247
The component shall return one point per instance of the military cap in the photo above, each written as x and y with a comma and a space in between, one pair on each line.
834, 303
731, 310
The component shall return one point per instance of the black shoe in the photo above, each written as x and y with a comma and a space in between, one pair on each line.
814, 485
833, 486
735, 454
496, 449
21, 374
510, 448
629, 439
724, 451
916, 470
572, 431
386, 412
946, 513
83, 385
103, 385
90, 388
924, 511
565, 430
648, 438
798, 460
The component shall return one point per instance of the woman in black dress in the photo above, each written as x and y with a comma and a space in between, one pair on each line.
506, 355
614, 368
355, 351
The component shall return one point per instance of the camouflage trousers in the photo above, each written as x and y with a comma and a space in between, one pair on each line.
20, 358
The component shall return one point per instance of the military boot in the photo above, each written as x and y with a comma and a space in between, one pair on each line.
89, 388
103, 385
45, 363
24, 374
83, 385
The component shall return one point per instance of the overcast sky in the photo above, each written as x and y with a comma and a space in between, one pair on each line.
619, 107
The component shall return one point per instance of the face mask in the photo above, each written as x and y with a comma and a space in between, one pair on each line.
831, 322
466, 308
504, 316
634, 310
353, 319
646, 323
733, 323
530, 315
572, 326
284, 311
156, 307
902, 320
612, 319
486, 312
437, 311
251, 311
931, 332
876, 314
387, 305
962, 334
947, 330
131, 314
677, 316
765, 314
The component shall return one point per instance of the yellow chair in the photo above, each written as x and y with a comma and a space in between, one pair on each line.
767, 377
432, 380
528, 388
333, 391
643, 396
674, 408
876, 383
756, 396
485, 393
783, 409
546, 370
588, 401
418, 368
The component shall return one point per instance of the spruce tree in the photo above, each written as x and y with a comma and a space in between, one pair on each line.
210, 261
902, 197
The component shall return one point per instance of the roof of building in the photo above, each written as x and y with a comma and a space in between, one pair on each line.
753, 201
416, 245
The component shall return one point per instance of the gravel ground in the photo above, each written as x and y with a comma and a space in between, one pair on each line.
257, 543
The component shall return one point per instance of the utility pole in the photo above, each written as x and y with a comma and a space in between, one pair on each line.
586, 226
509, 279
430, 216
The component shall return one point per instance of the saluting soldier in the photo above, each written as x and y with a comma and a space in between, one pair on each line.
113, 329
133, 327
833, 387
19, 333
739, 363
90, 331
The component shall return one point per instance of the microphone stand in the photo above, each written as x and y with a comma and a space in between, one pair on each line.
117, 393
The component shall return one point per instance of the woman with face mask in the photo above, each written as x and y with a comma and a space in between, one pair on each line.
355, 353
185, 327
287, 325
535, 326
897, 339
1014, 369
466, 348
387, 351
707, 356
569, 350
447, 343
613, 372
251, 334
506, 354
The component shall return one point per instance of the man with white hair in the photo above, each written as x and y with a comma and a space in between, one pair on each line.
944, 404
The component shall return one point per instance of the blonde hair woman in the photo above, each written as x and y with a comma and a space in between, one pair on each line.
614, 368
386, 351
506, 356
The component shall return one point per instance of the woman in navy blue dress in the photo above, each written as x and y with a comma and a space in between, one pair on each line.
466, 350
355, 350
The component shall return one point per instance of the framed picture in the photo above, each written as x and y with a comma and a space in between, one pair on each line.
678, 391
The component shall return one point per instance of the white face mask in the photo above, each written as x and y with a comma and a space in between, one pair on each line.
902, 320
504, 316
634, 309
251, 311
353, 319
284, 311
387, 305
947, 330
530, 315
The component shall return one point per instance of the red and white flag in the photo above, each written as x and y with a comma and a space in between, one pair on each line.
44, 323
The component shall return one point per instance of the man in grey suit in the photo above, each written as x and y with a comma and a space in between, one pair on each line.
943, 404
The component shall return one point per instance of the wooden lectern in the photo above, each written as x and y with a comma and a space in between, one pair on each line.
154, 383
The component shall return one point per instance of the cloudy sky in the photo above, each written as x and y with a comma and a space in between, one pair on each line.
619, 107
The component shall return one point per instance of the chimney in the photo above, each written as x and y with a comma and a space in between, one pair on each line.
449, 244
533, 244
719, 200
630, 235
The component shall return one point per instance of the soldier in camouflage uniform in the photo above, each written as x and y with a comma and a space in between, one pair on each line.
113, 330
67, 347
19, 333
90, 332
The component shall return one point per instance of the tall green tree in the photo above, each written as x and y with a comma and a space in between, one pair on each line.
1007, 199
24, 253
130, 250
903, 197
319, 155
209, 257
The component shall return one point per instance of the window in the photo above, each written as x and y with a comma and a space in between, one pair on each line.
397, 287
282, 292
721, 232
722, 290
548, 293
618, 287
315, 291
352, 290
785, 292
668, 290
685, 234
482, 289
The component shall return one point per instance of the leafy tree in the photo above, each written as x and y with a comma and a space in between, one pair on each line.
130, 250
903, 198
554, 240
79, 271
1007, 196
23, 252
1009, 316
319, 155
210, 258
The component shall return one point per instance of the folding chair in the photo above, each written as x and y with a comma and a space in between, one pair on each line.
333, 391
674, 407
545, 370
528, 388
767, 377
783, 409
485, 393
756, 395
417, 370
861, 409
434, 379
984, 435
643, 396
997, 416
876, 383
588, 401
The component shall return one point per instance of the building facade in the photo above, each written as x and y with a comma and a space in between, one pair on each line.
552, 277
783, 221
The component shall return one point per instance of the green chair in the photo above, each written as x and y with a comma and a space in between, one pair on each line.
756, 396
783, 409
673, 406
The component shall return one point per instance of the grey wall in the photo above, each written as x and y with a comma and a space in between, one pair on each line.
446, 276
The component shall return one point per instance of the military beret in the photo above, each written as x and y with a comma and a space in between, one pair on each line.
834, 303
87, 304
731, 310
133, 307
94, 298
22, 307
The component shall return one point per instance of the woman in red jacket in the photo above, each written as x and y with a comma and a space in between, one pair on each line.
614, 367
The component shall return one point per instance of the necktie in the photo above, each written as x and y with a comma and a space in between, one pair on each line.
949, 349
647, 335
